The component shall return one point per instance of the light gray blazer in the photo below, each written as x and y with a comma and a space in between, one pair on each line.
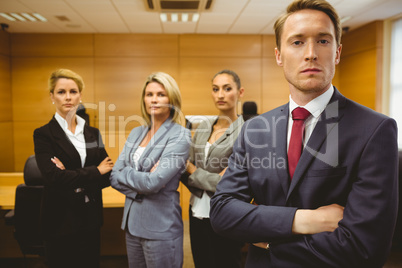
152, 208
206, 176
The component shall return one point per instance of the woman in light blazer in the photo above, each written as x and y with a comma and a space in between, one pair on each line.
209, 154
148, 172
75, 166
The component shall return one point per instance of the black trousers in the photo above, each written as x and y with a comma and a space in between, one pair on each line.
74, 250
211, 250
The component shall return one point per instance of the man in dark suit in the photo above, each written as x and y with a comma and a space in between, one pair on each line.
336, 206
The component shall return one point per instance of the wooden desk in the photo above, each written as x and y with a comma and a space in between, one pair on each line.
10, 181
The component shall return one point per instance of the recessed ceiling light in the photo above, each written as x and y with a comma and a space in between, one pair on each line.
179, 17
174, 17
24, 17
18, 17
196, 16
163, 17
39, 17
5, 15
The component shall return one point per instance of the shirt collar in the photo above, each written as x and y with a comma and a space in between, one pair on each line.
315, 106
63, 124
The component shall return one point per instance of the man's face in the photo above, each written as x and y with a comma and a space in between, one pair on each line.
308, 52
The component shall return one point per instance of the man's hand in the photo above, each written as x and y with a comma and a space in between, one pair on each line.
322, 219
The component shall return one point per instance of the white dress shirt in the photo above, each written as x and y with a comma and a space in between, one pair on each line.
315, 107
201, 206
77, 138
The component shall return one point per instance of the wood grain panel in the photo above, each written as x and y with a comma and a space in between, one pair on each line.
51, 45
31, 100
364, 38
5, 89
268, 46
184, 201
6, 147
220, 45
119, 83
196, 79
23, 141
358, 77
275, 89
5, 43
138, 45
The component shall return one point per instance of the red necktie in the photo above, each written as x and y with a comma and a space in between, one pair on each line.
299, 115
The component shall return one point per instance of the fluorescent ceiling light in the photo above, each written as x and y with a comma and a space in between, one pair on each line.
23, 16
196, 16
184, 17
4, 15
39, 17
345, 19
175, 17
18, 17
163, 17
29, 17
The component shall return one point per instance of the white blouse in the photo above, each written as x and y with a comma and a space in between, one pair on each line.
201, 206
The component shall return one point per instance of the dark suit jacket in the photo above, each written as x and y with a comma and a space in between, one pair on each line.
350, 159
63, 210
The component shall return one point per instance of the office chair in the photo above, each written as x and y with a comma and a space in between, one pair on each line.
249, 110
26, 214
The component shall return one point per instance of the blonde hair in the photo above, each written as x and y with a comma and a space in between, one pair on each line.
65, 73
297, 5
173, 93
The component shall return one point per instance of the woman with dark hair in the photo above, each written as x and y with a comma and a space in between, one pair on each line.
211, 147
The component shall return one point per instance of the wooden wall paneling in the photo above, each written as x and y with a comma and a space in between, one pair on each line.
6, 147
268, 46
136, 45
6, 117
51, 45
31, 100
5, 43
5, 89
184, 201
23, 141
119, 83
358, 77
336, 79
199, 45
196, 80
275, 89
362, 39
361, 64
114, 142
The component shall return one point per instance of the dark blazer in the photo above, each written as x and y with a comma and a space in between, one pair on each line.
63, 210
350, 159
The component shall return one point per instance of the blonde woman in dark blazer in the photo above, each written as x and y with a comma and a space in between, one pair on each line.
211, 147
148, 172
75, 166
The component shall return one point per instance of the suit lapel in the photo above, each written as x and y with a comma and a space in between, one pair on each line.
64, 142
326, 126
135, 143
90, 143
281, 146
232, 128
160, 133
